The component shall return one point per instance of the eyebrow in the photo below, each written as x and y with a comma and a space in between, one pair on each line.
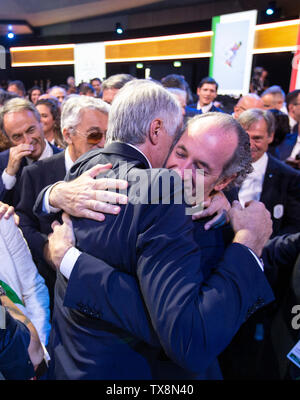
203, 163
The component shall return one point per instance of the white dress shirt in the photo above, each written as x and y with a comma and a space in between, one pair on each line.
296, 148
204, 109
9, 181
252, 186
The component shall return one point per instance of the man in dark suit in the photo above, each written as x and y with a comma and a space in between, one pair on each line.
154, 243
272, 182
207, 93
83, 125
20, 122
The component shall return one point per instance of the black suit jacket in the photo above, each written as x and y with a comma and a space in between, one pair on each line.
281, 196
33, 179
8, 196
154, 243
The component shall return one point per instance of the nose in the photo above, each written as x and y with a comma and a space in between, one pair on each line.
27, 138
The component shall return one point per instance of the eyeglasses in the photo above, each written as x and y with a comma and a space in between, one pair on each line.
93, 137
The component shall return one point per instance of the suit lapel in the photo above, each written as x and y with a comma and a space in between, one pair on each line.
270, 179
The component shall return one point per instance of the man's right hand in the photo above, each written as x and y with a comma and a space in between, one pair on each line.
16, 153
88, 197
252, 225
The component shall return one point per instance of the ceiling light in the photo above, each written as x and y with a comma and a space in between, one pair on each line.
119, 28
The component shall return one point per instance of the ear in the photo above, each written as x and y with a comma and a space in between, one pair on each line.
224, 182
155, 127
67, 136
270, 138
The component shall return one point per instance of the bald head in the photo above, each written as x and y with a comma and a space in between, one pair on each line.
246, 102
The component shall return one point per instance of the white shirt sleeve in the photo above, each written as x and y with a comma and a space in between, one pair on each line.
259, 261
46, 206
9, 181
68, 261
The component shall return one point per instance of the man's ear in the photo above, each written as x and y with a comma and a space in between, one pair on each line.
270, 138
224, 182
155, 127
67, 135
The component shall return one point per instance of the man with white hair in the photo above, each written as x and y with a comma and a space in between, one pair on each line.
250, 100
154, 243
83, 124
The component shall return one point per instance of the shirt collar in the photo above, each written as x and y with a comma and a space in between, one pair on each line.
68, 160
260, 165
206, 108
136, 148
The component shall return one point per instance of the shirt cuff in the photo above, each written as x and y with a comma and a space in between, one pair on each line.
46, 205
259, 260
68, 261
9, 181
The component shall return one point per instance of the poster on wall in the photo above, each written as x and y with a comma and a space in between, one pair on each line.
89, 62
232, 46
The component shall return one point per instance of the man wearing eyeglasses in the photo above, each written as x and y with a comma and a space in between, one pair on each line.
20, 122
83, 124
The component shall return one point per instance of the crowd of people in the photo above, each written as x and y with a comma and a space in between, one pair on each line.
105, 274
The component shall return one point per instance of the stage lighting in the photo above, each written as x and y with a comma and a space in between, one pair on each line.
10, 35
119, 28
271, 8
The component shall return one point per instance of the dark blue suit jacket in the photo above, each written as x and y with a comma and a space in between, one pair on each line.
14, 358
195, 306
191, 110
36, 230
284, 149
281, 187
7, 196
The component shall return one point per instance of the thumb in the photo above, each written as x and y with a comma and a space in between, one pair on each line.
236, 205
66, 219
97, 169
54, 224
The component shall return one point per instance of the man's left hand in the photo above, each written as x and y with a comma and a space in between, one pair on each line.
61, 240
215, 204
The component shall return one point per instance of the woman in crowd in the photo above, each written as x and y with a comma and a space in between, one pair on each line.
50, 117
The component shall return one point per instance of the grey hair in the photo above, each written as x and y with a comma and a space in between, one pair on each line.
136, 105
16, 105
56, 87
116, 81
240, 164
178, 92
249, 117
74, 104
275, 89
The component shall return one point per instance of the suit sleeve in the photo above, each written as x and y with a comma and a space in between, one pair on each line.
292, 207
194, 319
29, 223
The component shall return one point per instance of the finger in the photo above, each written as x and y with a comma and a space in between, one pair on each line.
55, 224
10, 211
111, 197
218, 221
102, 207
67, 220
110, 183
236, 205
17, 219
97, 169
